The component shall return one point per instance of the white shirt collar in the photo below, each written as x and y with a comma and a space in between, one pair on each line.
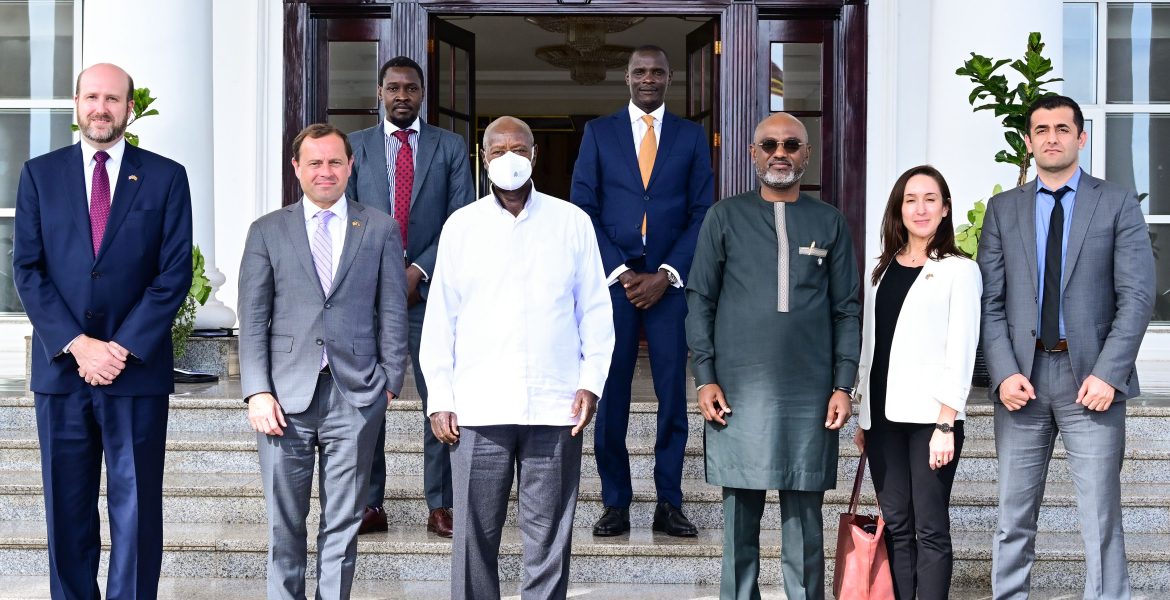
390, 128
116, 151
529, 204
636, 113
339, 209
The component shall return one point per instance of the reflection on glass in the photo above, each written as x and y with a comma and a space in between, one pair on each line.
26, 133
1137, 156
461, 81
812, 173
1138, 50
699, 80
1160, 238
9, 301
352, 123
1086, 154
353, 67
795, 77
36, 43
1080, 52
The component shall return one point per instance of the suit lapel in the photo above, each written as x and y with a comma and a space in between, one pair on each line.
428, 142
299, 238
670, 127
354, 231
624, 137
1025, 202
74, 173
1085, 204
130, 178
375, 148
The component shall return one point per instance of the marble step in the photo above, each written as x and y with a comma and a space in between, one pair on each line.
29, 587
239, 498
222, 452
409, 553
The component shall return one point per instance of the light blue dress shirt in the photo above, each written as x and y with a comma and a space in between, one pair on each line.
1044, 204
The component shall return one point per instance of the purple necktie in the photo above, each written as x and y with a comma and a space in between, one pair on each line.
323, 259
99, 200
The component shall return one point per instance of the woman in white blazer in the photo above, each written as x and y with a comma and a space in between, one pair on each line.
919, 338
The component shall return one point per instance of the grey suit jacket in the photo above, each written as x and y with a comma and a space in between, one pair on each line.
1107, 284
285, 317
442, 184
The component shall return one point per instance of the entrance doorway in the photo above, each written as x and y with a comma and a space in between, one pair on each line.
556, 72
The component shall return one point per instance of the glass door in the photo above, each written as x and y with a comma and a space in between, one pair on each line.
703, 85
451, 91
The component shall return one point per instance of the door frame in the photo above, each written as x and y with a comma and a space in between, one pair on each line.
738, 21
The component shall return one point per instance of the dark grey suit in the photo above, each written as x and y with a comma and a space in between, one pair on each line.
442, 184
1107, 290
285, 319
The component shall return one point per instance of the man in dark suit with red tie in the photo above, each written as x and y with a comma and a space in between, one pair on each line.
644, 176
102, 262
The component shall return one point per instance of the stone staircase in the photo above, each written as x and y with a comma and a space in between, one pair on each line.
215, 540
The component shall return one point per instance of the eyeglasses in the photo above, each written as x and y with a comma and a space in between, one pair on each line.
791, 145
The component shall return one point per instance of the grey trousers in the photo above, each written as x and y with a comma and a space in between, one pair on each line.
436, 460
547, 462
1096, 443
340, 436
802, 544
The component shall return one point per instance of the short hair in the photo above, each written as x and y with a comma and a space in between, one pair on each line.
490, 130
1054, 102
317, 131
400, 62
647, 48
129, 92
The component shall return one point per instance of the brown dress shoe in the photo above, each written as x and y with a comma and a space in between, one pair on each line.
373, 519
439, 522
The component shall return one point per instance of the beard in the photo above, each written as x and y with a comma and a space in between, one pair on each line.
780, 182
90, 129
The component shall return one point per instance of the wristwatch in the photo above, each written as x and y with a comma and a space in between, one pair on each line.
944, 427
848, 390
670, 278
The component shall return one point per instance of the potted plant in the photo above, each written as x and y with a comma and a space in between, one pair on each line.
184, 322
993, 92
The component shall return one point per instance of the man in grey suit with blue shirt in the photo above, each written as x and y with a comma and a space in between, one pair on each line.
1068, 289
419, 175
322, 350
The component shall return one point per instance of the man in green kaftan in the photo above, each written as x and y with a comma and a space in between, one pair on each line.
774, 331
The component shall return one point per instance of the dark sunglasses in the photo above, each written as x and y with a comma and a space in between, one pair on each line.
790, 145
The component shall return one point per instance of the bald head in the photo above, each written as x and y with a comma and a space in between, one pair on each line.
508, 134
507, 126
105, 72
779, 121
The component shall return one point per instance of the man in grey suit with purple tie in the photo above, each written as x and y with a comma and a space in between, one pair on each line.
1068, 290
322, 351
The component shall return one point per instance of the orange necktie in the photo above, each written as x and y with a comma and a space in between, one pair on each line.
646, 154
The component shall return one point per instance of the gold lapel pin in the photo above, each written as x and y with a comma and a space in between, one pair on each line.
133, 178
356, 223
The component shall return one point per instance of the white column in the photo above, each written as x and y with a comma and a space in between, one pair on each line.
167, 48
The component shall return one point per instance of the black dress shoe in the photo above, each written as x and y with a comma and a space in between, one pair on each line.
614, 521
373, 519
670, 520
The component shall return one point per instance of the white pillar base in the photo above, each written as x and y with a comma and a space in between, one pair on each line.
214, 314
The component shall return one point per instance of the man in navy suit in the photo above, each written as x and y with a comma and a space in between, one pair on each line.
102, 260
644, 176
419, 174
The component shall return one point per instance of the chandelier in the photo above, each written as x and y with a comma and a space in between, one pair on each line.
585, 53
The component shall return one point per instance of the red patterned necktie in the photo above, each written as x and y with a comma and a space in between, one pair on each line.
99, 200
403, 180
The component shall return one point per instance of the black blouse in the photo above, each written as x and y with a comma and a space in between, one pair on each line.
891, 294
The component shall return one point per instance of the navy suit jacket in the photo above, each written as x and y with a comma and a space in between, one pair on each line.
607, 185
442, 185
128, 293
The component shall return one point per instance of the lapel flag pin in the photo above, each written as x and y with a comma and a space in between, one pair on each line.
930, 275
356, 223
133, 178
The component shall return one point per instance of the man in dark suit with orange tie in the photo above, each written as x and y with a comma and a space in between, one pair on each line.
644, 176
102, 261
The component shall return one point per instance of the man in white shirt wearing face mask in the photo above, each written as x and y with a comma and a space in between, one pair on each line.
516, 347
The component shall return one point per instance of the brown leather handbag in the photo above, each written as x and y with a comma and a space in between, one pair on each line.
862, 567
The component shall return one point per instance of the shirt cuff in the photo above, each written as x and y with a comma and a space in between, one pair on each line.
65, 350
426, 276
613, 277
678, 282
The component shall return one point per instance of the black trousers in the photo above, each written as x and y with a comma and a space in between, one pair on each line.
915, 502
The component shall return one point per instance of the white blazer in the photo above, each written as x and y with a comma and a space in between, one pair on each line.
933, 351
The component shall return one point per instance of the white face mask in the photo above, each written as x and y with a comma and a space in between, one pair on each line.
509, 171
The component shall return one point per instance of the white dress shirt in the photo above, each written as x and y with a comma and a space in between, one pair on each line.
638, 126
340, 210
518, 317
113, 166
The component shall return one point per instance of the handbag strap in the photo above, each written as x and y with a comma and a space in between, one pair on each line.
857, 484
